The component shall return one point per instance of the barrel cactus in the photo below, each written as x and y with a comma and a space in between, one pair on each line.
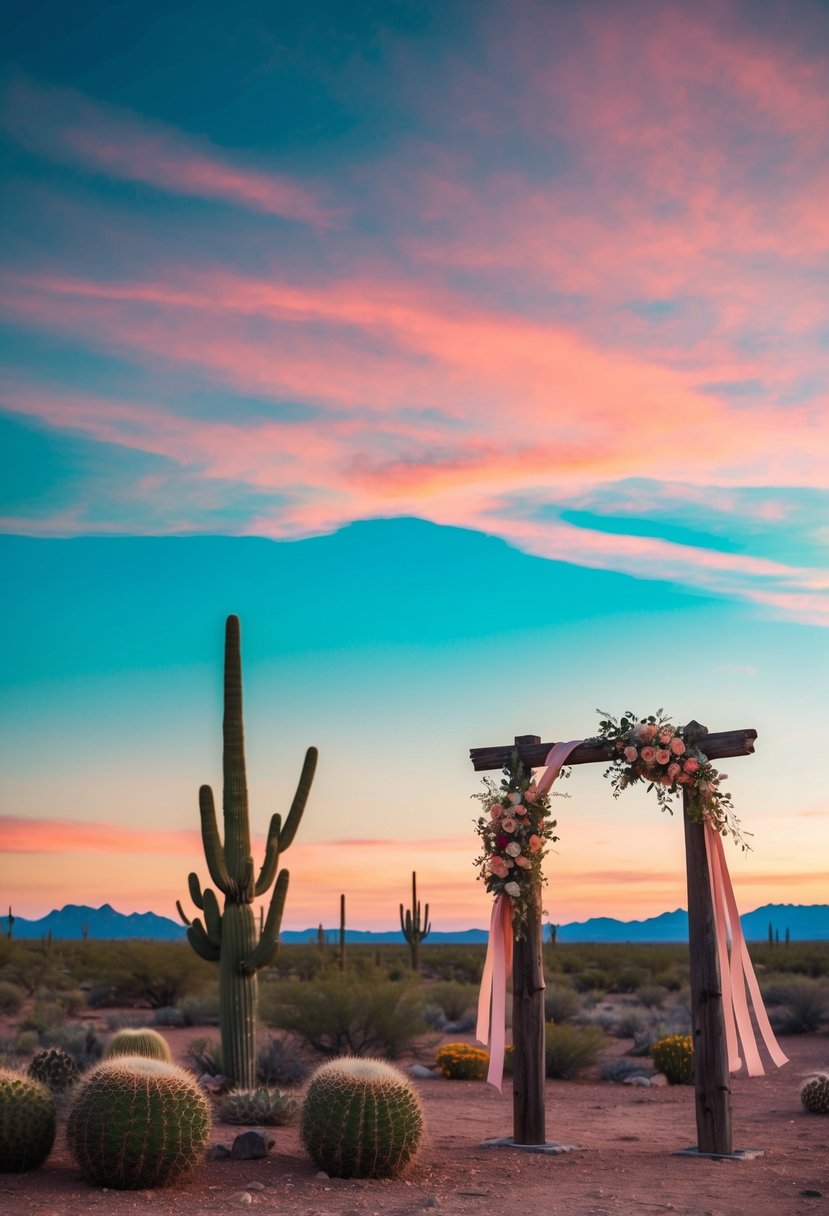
27, 1122
141, 1042
54, 1068
814, 1094
674, 1056
257, 1107
137, 1123
361, 1118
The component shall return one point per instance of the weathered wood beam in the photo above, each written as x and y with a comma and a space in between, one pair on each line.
716, 746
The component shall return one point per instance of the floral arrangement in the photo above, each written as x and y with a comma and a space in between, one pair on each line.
515, 831
674, 1056
669, 759
462, 1062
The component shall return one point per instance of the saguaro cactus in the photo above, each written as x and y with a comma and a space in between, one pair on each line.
229, 937
414, 930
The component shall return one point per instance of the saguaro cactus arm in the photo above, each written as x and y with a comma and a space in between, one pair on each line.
271, 860
184, 917
266, 948
213, 852
212, 917
194, 887
201, 943
289, 831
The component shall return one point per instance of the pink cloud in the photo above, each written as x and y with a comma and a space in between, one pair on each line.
65, 125
77, 836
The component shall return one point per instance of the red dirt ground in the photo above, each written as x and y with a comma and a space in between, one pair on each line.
627, 1135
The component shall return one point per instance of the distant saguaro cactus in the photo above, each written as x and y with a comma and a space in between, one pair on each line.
414, 930
229, 937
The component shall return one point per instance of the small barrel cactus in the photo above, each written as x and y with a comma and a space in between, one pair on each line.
257, 1107
361, 1118
54, 1068
27, 1122
142, 1042
137, 1123
814, 1094
674, 1056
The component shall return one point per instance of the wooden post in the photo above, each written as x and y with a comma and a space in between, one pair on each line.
528, 1057
711, 1078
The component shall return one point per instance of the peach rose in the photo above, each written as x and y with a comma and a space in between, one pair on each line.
677, 746
663, 756
524, 862
508, 825
674, 770
643, 732
535, 844
665, 737
498, 867
631, 754
531, 793
691, 765
648, 755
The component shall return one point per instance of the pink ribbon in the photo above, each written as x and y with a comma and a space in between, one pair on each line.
736, 971
491, 1028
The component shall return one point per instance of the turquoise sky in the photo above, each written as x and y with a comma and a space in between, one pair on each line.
476, 356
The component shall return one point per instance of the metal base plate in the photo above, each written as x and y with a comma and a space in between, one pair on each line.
738, 1154
552, 1150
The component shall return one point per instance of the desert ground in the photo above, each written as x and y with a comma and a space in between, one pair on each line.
625, 1160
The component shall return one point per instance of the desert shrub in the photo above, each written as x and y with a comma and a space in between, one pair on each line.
454, 999
205, 1056
674, 1056
622, 1069
590, 981
630, 1021
561, 1003
44, 1015
279, 1063
629, 979
434, 1017
11, 998
799, 1006
153, 974
462, 1062
81, 1042
71, 1000
257, 1107
344, 1014
652, 996
200, 1010
571, 1050
26, 1043
169, 1016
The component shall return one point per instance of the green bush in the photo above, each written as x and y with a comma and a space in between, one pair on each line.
81, 1042
205, 1056
201, 1010
798, 1006
571, 1050
44, 1015
561, 1003
344, 1014
454, 999
462, 1062
279, 1063
11, 998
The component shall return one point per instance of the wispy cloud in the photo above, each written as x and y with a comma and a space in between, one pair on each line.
64, 125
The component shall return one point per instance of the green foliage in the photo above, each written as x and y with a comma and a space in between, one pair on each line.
361, 1119
205, 1055
561, 1003
674, 1056
11, 998
261, 1107
347, 1013
54, 1068
814, 1094
27, 1122
142, 1041
279, 1063
81, 1042
462, 1062
137, 1123
798, 1005
571, 1050
453, 998
201, 1010
44, 1015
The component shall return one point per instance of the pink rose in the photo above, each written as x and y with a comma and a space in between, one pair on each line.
677, 746
531, 793
524, 862
631, 754
514, 797
663, 756
535, 844
648, 755
665, 737
508, 825
513, 849
674, 770
691, 765
498, 867
666, 780
683, 779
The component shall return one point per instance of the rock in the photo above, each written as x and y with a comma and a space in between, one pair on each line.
640, 1080
251, 1146
431, 1201
321, 1175
423, 1073
659, 1079
218, 1152
254, 1186
241, 1197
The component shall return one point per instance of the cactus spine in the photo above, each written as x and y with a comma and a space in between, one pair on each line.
361, 1118
141, 1042
414, 930
229, 937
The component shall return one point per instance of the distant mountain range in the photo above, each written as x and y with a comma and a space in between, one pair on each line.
804, 922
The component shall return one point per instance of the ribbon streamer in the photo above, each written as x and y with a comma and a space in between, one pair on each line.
736, 970
491, 1028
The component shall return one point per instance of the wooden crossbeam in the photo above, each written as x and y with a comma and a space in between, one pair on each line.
533, 752
711, 1079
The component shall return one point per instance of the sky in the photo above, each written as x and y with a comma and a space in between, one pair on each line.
475, 354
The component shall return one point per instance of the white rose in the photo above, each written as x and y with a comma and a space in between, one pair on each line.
514, 798
513, 889
513, 848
